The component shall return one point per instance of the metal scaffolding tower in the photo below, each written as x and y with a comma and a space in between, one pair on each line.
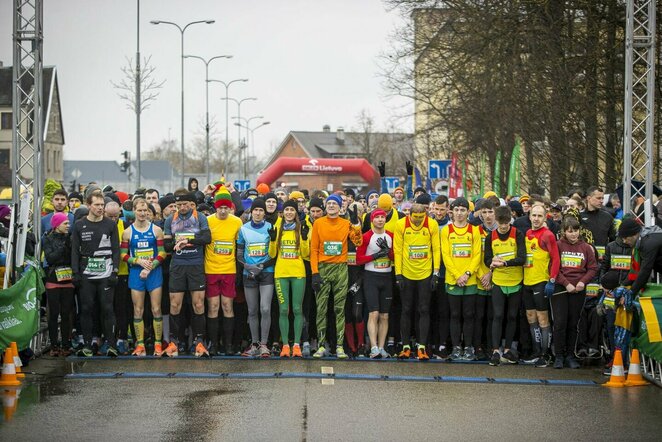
639, 100
27, 126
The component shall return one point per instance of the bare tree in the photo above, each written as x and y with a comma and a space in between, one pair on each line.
149, 85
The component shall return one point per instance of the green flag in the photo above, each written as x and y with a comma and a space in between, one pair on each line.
513, 172
19, 313
497, 174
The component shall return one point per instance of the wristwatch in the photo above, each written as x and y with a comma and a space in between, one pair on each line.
552, 280
468, 273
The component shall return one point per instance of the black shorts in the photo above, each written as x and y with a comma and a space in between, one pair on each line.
187, 278
378, 291
264, 278
534, 297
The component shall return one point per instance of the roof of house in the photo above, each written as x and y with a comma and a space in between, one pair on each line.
49, 84
99, 171
154, 169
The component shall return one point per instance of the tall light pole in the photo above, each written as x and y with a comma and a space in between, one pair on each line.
247, 122
238, 102
252, 138
227, 117
138, 103
206, 62
181, 31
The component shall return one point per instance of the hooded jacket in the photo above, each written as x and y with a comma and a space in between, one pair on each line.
649, 246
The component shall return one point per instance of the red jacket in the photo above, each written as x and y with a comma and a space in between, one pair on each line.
578, 263
364, 253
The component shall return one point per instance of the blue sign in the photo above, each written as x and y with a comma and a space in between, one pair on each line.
242, 185
391, 183
438, 169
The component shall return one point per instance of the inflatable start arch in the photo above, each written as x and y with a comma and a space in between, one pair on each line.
332, 166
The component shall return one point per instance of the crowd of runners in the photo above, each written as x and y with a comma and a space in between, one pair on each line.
297, 273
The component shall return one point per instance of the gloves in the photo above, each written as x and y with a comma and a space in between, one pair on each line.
353, 215
410, 168
252, 270
383, 253
382, 244
382, 169
75, 279
304, 231
112, 279
434, 282
549, 289
400, 282
273, 231
316, 282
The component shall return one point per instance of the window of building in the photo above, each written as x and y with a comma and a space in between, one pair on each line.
5, 120
4, 157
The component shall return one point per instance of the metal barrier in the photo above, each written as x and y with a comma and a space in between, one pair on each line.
652, 369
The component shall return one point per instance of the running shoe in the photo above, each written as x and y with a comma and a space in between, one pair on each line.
181, 347
384, 354
275, 348
122, 347
607, 369
469, 354
112, 351
571, 362
85, 352
581, 353
305, 352
375, 354
422, 353
103, 349
201, 350
251, 351
593, 352
171, 350
480, 355
55, 351
340, 352
509, 357
457, 354
390, 349
362, 351
296, 351
285, 351
264, 351
320, 353
558, 362
139, 351
532, 359
212, 350
95, 348
405, 353
441, 353
495, 360
541, 362
158, 349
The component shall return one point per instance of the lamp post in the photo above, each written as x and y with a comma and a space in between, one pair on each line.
247, 122
227, 87
238, 127
206, 62
181, 31
252, 139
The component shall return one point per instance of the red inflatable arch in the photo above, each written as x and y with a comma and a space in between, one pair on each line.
358, 166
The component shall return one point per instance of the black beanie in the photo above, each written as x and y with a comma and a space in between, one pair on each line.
316, 202
270, 195
424, 198
165, 201
629, 227
291, 203
258, 203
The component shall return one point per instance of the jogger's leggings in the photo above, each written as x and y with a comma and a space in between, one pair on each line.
60, 303
422, 289
510, 304
284, 288
258, 299
97, 292
463, 308
334, 282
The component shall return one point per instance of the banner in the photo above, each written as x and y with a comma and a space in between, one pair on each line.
649, 339
514, 172
497, 174
452, 177
19, 315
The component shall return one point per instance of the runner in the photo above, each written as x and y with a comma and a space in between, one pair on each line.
540, 272
253, 253
309, 333
328, 261
376, 254
598, 221
186, 234
417, 260
221, 270
142, 249
94, 263
484, 280
290, 246
441, 328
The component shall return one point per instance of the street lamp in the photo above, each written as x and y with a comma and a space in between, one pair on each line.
181, 31
206, 62
227, 87
247, 122
238, 127
252, 138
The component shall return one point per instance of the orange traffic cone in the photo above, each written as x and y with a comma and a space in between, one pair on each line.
635, 379
617, 378
8, 377
17, 361
9, 403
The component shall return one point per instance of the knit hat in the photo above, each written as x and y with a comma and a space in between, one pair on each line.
76, 195
258, 203
296, 195
400, 188
350, 192
406, 205
516, 207
335, 198
489, 193
629, 227
524, 198
189, 196
291, 203
122, 196
316, 202
385, 202
419, 189
370, 192
57, 219
270, 196
460, 202
262, 188
223, 198
359, 197
424, 199
375, 213
250, 194
165, 201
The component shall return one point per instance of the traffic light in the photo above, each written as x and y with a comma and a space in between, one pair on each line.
125, 164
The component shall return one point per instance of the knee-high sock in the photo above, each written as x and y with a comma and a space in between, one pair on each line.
349, 336
212, 330
360, 333
228, 330
157, 323
536, 335
139, 325
198, 326
546, 335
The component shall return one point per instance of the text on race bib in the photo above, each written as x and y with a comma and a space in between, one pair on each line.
419, 252
257, 250
63, 274
223, 248
332, 248
461, 250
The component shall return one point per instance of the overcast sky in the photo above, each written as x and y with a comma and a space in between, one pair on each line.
309, 63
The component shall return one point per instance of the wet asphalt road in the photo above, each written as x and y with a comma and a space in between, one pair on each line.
51, 407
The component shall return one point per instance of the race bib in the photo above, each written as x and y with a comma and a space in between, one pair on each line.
506, 256
382, 263
144, 253
257, 249
332, 248
184, 235
96, 265
571, 261
620, 262
223, 248
351, 258
592, 290
529, 260
289, 252
461, 250
419, 252
601, 251
63, 274
609, 301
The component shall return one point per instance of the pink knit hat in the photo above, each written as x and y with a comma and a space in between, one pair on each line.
57, 219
